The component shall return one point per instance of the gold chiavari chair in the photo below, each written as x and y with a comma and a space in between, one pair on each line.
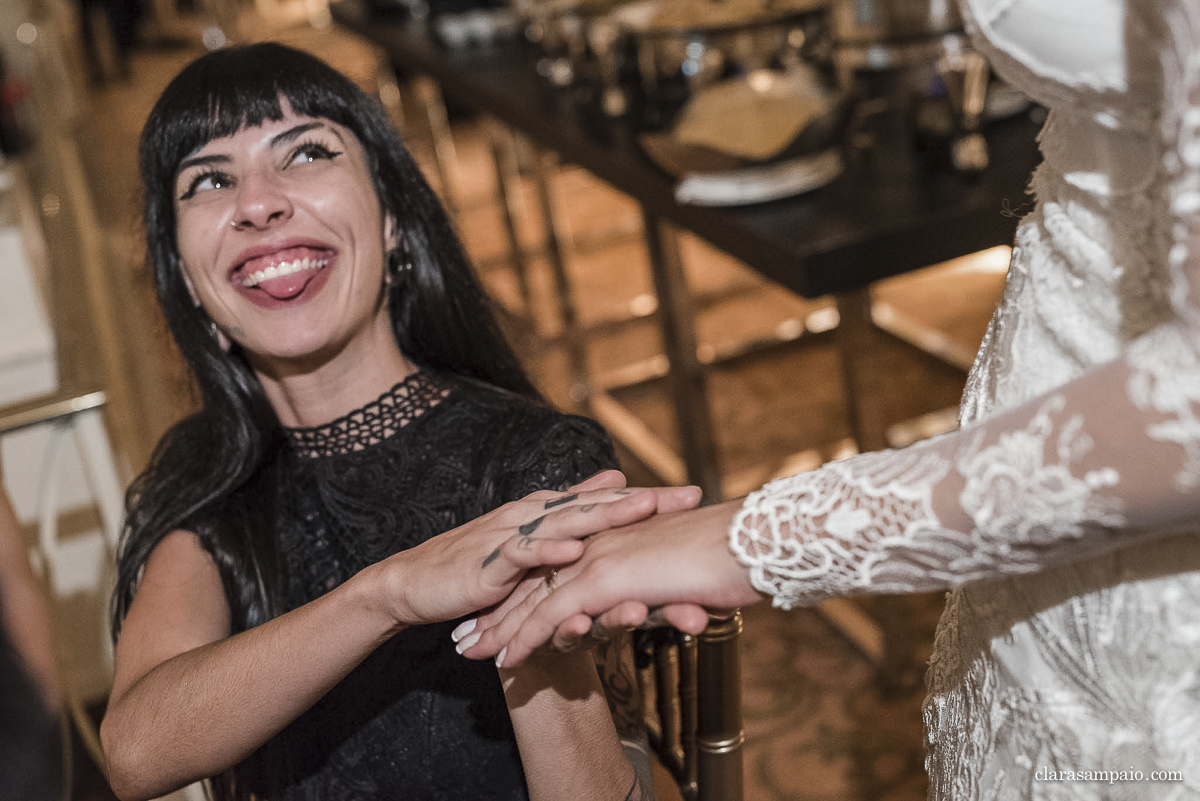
692, 687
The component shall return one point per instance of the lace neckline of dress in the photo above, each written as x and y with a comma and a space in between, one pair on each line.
373, 423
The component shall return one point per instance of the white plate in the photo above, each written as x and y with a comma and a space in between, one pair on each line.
761, 183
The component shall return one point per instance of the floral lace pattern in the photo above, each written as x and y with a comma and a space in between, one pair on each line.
777, 533
1064, 514
868, 523
1167, 381
1017, 498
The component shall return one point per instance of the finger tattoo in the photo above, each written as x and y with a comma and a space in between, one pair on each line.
550, 504
530, 527
587, 507
525, 544
491, 557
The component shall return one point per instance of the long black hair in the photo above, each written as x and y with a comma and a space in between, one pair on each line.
210, 472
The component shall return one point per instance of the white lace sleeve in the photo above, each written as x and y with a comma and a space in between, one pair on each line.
1107, 459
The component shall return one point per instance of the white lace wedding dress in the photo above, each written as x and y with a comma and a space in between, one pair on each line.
1066, 507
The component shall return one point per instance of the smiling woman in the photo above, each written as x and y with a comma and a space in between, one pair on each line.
362, 474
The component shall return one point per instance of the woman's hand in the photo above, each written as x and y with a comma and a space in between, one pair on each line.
673, 563
480, 563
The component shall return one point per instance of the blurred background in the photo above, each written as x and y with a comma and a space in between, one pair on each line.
747, 108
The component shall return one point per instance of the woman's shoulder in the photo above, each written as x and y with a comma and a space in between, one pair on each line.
529, 445
517, 414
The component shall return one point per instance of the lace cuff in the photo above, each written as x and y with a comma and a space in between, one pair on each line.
817, 535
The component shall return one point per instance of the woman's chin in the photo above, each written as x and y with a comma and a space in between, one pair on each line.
298, 355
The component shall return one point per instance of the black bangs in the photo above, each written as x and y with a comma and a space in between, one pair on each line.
220, 93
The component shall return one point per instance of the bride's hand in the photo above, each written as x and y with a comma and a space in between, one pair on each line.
581, 630
478, 564
678, 564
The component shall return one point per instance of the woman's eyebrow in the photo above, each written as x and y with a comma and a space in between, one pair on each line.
197, 161
294, 133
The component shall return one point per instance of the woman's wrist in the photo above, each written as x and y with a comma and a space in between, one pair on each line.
380, 590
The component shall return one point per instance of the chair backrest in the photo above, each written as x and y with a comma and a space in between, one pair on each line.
62, 417
692, 686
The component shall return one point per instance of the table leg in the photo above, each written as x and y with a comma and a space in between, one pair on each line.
688, 380
857, 342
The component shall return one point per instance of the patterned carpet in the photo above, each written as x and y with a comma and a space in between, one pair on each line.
818, 728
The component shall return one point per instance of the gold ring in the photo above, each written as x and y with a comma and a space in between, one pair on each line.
552, 581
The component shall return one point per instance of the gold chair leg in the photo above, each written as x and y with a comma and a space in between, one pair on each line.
697, 729
720, 735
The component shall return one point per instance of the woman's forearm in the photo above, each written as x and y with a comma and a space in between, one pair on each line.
206, 709
568, 742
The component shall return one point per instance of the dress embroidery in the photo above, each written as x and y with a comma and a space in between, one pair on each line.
1166, 380
1017, 497
869, 524
861, 506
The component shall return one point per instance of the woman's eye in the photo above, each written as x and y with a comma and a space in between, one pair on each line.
312, 151
204, 182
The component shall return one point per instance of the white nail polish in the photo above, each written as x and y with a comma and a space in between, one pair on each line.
500, 656
463, 629
467, 642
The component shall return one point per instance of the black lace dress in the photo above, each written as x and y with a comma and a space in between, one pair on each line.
415, 720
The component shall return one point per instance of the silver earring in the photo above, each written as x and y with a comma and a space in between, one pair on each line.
219, 337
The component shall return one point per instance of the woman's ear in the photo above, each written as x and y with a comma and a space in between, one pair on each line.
391, 232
